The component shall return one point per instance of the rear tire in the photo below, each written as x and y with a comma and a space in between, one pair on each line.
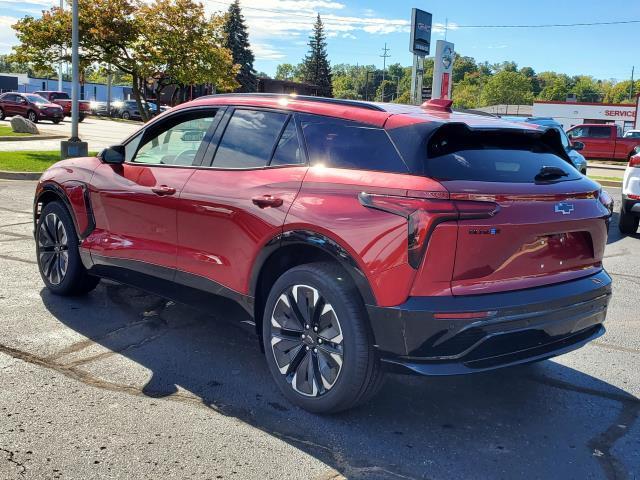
318, 343
57, 253
2, 116
56, 121
628, 223
81, 118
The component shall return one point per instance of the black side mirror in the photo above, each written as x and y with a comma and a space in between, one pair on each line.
577, 146
114, 155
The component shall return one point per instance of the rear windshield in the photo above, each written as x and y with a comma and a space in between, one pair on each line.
494, 165
455, 152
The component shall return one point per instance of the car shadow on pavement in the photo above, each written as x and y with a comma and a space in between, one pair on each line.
540, 421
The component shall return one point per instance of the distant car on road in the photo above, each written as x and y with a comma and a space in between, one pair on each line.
603, 141
632, 134
128, 109
63, 99
630, 208
572, 148
30, 106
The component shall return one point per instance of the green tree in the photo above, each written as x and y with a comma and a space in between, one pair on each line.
315, 67
619, 92
587, 89
237, 41
555, 87
386, 90
462, 66
507, 88
288, 71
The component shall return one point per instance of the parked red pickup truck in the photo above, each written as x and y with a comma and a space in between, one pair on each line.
603, 141
63, 99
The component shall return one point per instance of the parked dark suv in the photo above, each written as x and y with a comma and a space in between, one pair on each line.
360, 237
30, 106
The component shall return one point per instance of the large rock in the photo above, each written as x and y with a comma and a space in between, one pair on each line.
22, 125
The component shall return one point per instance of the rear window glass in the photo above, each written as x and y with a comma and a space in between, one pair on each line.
494, 165
351, 146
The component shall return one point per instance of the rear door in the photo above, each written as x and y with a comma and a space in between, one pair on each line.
549, 225
230, 210
9, 104
602, 141
135, 203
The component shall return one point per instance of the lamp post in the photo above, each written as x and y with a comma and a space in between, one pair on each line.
60, 64
74, 147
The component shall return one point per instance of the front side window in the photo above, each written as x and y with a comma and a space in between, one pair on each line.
577, 132
175, 142
349, 145
249, 139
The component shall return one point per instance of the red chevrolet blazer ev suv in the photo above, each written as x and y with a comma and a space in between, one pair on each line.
360, 237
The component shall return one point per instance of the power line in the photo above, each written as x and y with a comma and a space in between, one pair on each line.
341, 20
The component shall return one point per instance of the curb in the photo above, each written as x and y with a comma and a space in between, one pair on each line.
32, 138
608, 183
607, 167
4, 175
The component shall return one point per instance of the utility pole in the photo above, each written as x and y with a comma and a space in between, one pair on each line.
631, 86
385, 55
61, 51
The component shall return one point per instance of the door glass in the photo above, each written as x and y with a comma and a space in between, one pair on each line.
599, 132
288, 151
249, 139
176, 143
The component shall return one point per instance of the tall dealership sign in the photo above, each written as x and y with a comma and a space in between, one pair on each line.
442, 70
420, 46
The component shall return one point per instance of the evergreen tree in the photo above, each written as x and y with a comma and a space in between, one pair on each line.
237, 41
315, 66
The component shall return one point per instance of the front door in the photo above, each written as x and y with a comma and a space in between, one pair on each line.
228, 212
135, 203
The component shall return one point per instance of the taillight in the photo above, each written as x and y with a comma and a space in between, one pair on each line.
634, 161
606, 200
424, 213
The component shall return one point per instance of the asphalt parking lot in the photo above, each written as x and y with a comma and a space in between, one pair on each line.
122, 384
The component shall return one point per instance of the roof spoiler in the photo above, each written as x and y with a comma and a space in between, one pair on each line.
438, 104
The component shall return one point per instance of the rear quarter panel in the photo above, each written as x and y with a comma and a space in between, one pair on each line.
377, 241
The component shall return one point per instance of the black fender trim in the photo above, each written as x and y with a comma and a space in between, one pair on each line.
322, 242
60, 193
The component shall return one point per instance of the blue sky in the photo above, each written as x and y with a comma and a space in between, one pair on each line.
358, 29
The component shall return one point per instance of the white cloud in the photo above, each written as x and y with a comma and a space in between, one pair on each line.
7, 35
349, 35
264, 51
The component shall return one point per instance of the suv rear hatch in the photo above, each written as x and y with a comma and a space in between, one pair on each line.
549, 224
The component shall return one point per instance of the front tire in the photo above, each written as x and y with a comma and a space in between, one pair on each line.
318, 344
32, 116
57, 253
628, 223
126, 115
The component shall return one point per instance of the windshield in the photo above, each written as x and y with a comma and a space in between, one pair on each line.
635, 134
36, 99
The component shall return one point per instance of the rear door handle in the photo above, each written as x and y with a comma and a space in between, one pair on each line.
265, 201
163, 190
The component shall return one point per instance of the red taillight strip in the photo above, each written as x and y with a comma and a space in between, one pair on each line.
634, 161
464, 315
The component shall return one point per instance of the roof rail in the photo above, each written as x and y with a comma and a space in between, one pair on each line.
306, 98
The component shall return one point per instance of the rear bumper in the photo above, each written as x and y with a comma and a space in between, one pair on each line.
630, 205
524, 326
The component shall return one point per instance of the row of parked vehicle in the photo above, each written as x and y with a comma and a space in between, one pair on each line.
54, 106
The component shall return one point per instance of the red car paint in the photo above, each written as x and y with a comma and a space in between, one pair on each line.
63, 99
603, 141
215, 223
29, 105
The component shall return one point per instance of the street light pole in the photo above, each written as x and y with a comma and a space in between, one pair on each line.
61, 51
74, 147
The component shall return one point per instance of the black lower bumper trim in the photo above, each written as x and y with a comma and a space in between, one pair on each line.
523, 326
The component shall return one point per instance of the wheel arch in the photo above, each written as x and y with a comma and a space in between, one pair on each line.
298, 247
81, 214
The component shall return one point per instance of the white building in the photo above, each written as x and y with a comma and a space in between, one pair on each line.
575, 113
89, 91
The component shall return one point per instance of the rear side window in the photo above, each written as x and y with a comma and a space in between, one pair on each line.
288, 151
349, 145
599, 132
249, 139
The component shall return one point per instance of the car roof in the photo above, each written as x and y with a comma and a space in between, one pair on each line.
595, 125
389, 115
